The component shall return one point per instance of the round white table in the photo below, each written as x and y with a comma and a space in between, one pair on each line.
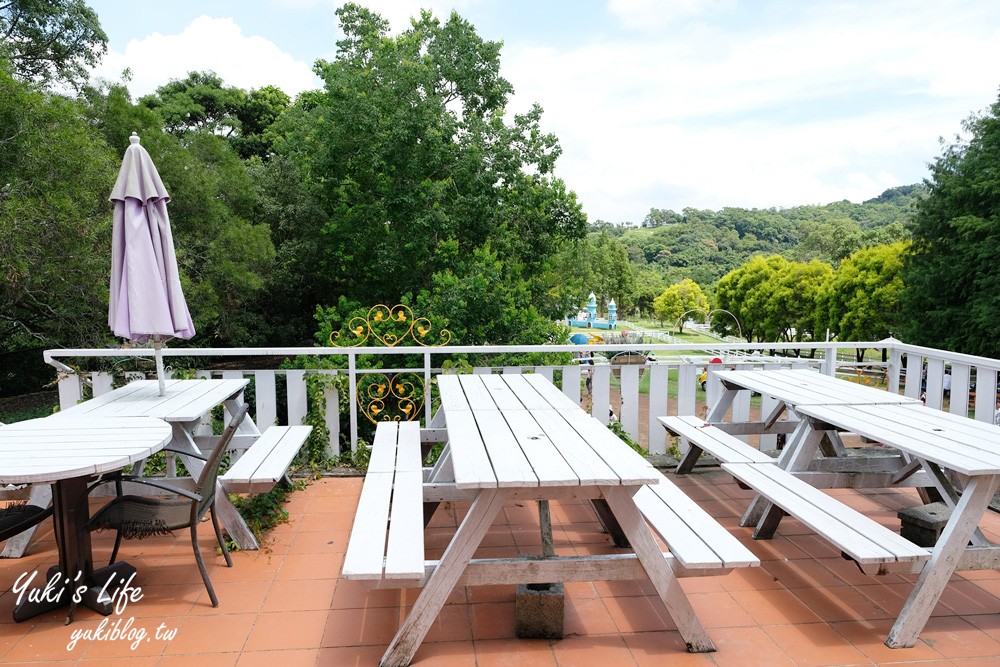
69, 453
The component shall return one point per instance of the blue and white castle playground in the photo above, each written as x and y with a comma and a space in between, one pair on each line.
589, 319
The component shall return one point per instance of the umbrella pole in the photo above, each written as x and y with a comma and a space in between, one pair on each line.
160, 373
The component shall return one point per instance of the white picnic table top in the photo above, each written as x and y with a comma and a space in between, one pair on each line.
512, 431
954, 442
184, 401
800, 386
50, 450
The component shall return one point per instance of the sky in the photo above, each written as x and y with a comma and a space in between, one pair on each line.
664, 104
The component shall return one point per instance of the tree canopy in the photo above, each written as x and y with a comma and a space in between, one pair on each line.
404, 167
952, 286
48, 41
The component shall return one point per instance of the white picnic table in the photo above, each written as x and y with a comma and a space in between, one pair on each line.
184, 405
69, 453
517, 437
958, 456
962, 457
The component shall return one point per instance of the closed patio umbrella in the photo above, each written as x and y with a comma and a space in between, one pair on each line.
147, 303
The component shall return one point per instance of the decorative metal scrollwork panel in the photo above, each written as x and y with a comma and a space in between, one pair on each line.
389, 327
396, 398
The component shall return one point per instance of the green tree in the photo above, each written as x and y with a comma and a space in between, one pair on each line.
55, 221
795, 293
648, 285
47, 41
863, 299
747, 292
678, 300
407, 165
952, 286
201, 101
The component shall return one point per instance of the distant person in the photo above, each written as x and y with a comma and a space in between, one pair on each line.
996, 415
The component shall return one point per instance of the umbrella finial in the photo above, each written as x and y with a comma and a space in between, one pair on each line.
134, 139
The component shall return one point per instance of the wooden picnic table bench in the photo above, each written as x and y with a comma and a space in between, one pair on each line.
266, 461
387, 538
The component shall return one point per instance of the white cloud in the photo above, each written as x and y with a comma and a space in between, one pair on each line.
842, 104
654, 15
216, 44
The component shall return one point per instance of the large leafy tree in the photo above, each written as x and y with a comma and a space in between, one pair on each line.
55, 221
795, 292
745, 292
862, 300
952, 293
48, 41
405, 165
681, 299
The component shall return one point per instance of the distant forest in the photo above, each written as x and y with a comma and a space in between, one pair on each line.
705, 245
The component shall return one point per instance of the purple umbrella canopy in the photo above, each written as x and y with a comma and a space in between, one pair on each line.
147, 303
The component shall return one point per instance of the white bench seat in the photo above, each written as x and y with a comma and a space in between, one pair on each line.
875, 548
695, 539
705, 437
266, 461
387, 539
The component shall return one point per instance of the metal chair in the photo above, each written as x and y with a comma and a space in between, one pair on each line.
136, 517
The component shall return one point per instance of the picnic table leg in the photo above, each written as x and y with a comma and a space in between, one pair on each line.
662, 577
715, 415
796, 456
944, 559
428, 604
608, 521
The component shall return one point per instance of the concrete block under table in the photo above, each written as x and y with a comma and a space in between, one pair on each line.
539, 611
923, 525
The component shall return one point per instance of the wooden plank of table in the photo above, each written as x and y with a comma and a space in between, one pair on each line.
806, 387
586, 463
476, 393
526, 388
547, 462
452, 395
629, 465
509, 463
550, 393
502, 394
185, 400
469, 458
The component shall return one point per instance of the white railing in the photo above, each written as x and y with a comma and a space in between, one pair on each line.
665, 384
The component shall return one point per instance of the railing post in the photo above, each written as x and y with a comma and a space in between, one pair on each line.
659, 377
70, 390
265, 397
352, 377
830, 362
298, 400
893, 369
332, 418
428, 389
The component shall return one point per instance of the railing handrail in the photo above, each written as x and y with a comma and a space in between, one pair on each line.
680, 362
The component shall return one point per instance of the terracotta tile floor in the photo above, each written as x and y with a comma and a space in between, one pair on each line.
285, 605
